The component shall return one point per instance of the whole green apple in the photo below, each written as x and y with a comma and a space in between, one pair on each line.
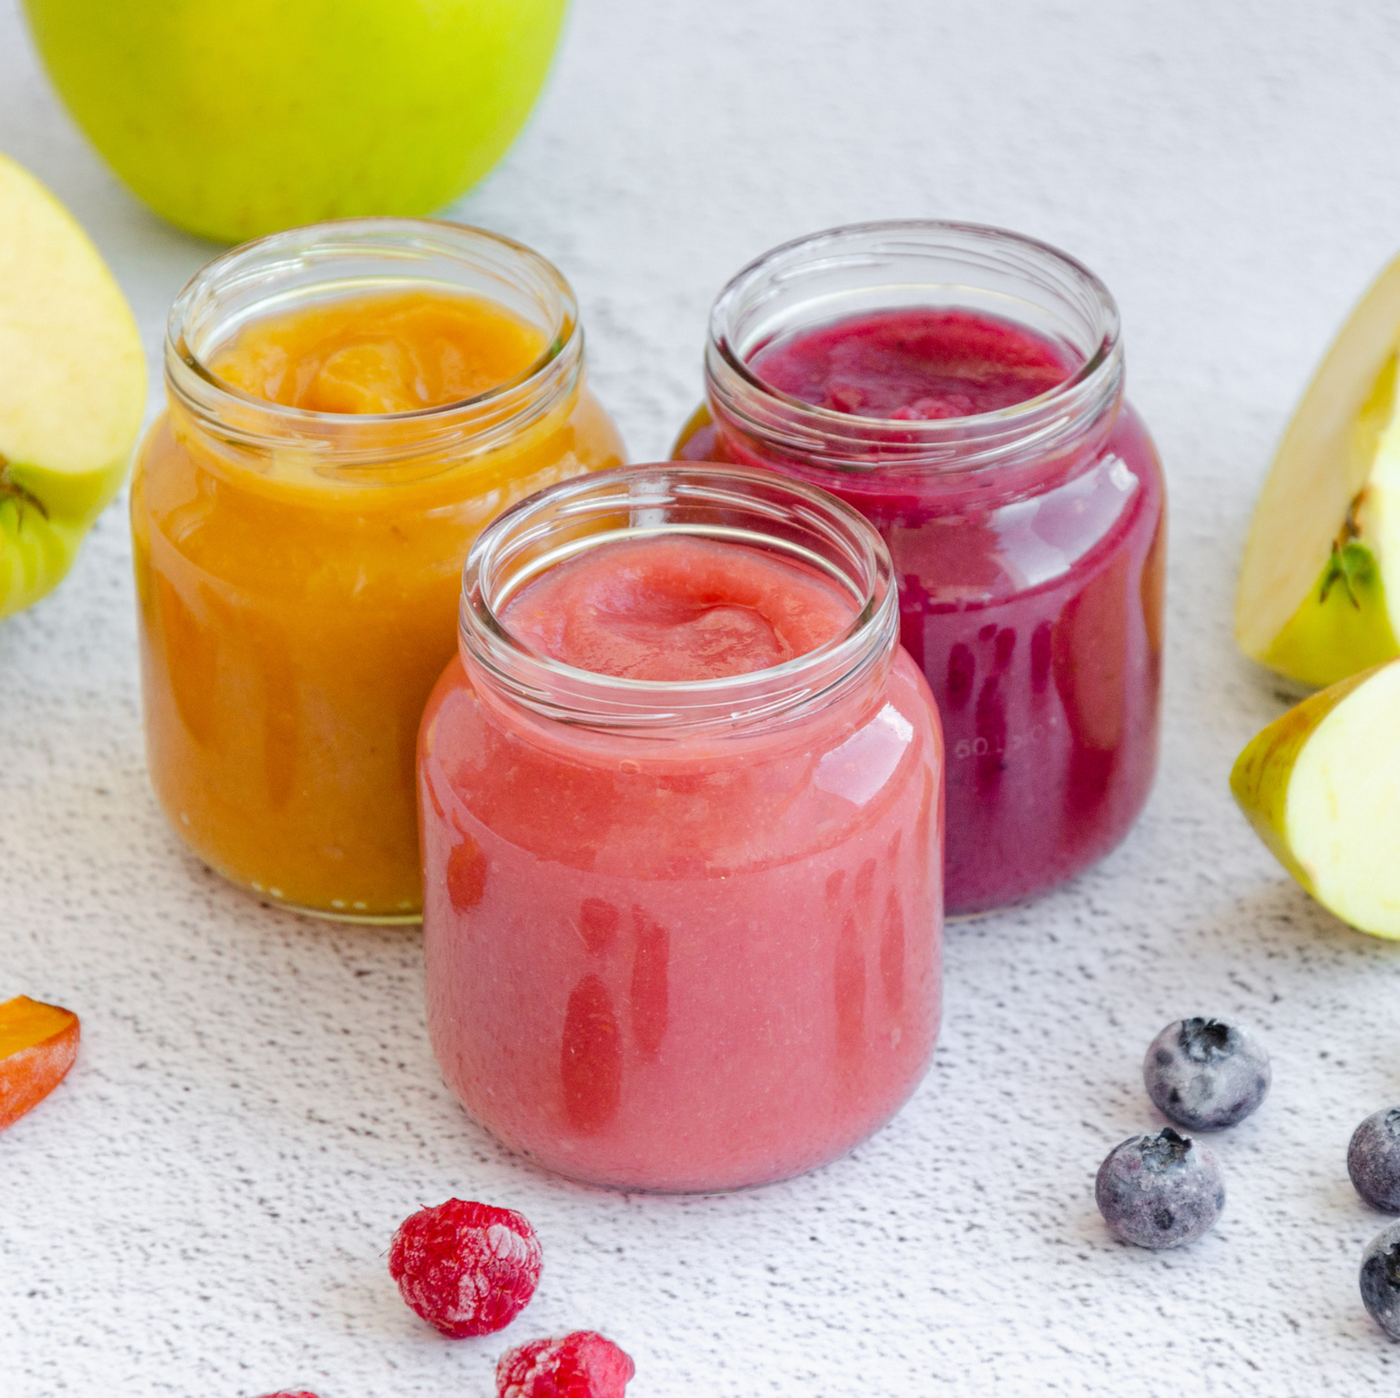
233, 118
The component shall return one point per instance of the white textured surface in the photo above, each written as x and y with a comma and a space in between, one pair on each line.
204, 1207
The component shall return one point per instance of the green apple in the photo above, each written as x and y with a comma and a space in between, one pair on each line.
72, 388
1321, 786
1319, 594
234, 118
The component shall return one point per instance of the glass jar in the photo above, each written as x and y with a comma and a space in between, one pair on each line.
1028, 540
682, 935
298, 571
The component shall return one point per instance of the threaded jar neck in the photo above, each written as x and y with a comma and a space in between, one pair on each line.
898, 265
790, 521
324, 262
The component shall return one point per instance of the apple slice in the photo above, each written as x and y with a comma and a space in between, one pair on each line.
1319, 595
38, 1044
1321, 786
72, 388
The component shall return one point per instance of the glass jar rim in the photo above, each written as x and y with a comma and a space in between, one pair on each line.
555, 690
849, 441
257, 266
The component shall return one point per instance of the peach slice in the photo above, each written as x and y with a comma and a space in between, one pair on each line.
38, 1044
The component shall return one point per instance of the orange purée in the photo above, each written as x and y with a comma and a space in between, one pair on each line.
297, 606
380, 354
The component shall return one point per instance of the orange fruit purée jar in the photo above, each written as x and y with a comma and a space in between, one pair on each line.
349, 404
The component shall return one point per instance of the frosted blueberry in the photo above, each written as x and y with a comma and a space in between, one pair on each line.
1206, 1075
1373, 1160
1159, 1191
1380, 1280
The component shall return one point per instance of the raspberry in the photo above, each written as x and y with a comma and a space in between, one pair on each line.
581, 1365
466, 1268
290, 1393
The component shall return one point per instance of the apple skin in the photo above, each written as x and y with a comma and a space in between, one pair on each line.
1343, 626
1326, 529
44, 516
72, 388
1259, 781
1321, 787
234, 118
36, 552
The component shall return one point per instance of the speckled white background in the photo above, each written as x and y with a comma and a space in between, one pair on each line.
203, 1208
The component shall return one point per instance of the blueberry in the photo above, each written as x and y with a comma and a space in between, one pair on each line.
1380, 1280
1159, 1191
1205, 1075
1373, 1160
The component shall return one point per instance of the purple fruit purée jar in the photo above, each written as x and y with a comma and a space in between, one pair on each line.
963, 388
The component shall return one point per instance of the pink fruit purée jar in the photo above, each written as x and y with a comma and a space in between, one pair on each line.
682, 934
963, 388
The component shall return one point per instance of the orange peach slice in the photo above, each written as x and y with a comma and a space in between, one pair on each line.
38, 1044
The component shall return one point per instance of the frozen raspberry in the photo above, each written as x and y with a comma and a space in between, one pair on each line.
290, 1393
466, 1268
581, 1365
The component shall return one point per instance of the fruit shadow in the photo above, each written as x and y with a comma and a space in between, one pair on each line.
1289, 915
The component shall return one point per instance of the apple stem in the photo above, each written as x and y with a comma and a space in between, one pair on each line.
13, 490
1350, 561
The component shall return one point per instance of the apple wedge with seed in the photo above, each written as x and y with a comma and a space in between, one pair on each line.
72, 388
1321, 786
1319, 595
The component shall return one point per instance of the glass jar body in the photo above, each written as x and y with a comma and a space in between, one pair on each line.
1020, 498
683, 936
697, 973
1036, 614
290, 637
297, 577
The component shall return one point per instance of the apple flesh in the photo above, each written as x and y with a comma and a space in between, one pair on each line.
1321, 786
38, 1044
241, 118
1319, 595
72, 388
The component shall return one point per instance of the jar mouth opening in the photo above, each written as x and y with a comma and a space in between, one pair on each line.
321, 263
902, 264
790, 520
